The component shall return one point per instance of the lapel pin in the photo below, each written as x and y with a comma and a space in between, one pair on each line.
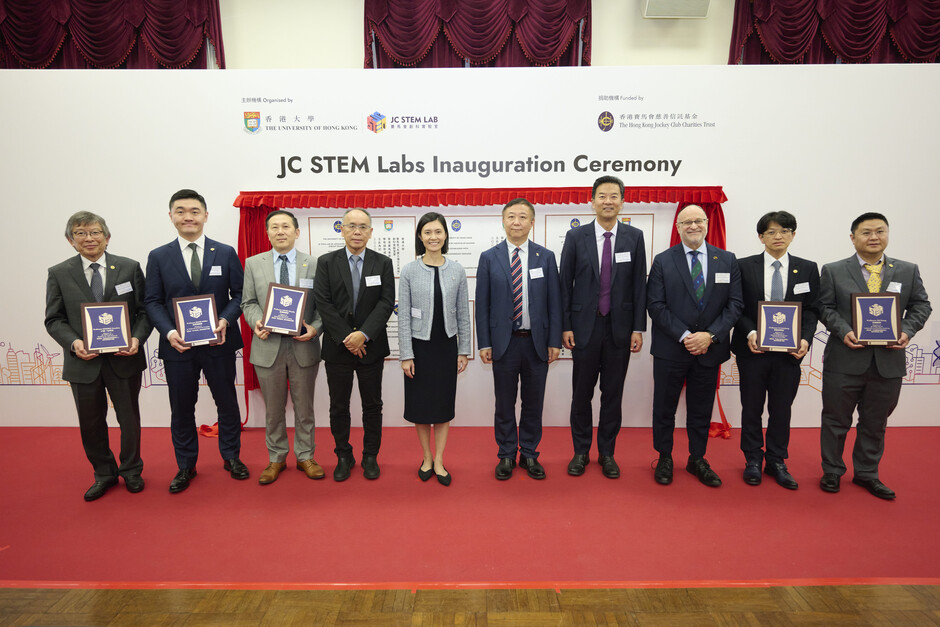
112, 267
715, 257
213, 248
890, 265
305, 265
795, 271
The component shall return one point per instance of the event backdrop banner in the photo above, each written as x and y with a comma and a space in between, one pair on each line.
823, 142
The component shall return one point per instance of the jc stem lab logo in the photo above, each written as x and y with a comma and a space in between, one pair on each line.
375, 122
605, 121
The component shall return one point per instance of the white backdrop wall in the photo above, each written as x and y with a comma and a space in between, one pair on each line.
825, 143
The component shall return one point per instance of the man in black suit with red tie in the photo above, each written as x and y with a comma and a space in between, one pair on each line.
773, 275
603, 293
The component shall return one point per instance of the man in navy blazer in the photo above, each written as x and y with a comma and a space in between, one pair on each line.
94, 377
773, 377
603, 294
692, 320
192, 265
519, 332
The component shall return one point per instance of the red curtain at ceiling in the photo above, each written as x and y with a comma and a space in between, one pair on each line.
827, 31
133, 34
494, 33
255, 206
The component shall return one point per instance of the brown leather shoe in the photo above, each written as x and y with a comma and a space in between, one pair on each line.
311, 469
270, 473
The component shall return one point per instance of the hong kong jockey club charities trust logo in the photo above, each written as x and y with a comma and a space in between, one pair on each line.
456, 225
105, 318
575, 223
338, 226
252, 122
605, 121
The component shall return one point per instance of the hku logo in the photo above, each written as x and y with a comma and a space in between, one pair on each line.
106, 318
252, 122
779, 317
195, 312
876, 310
286, 300
389, 224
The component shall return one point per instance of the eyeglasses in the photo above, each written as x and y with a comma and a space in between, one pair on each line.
357, 227
698, 222
84, 234
774, 232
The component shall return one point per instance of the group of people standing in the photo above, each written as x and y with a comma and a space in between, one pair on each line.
595, 302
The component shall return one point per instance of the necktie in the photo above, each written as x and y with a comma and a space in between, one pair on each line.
354, 270
515, 270
285, 275
776, 282
698, 280
603, 300
195, 268
97, 288
874, 280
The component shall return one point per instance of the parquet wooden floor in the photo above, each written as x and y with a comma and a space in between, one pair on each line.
796, 605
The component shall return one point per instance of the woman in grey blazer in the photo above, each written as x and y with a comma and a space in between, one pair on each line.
434, 339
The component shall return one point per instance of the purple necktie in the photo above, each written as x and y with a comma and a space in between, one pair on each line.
603, 301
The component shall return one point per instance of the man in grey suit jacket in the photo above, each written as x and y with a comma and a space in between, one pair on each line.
520, 341
855, 376
91, 276
279, 359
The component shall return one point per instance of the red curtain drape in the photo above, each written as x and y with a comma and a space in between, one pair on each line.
496, 33
133, 34
826, 31
255, 206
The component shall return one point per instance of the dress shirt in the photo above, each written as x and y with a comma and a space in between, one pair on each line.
526, 322
188, 252
769, 272
702, 259
102, 263
865, 273
599, 239
362, 261
291, 264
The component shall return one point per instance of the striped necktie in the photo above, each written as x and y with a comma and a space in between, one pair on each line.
698, 280
515, 269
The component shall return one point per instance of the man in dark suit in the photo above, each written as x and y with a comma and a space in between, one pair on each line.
773, 275
603, 293
96, 276
518, 310
192, 265
355, 294
863, 377
694, 300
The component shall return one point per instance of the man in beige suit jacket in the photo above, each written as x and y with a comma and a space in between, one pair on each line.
278, 358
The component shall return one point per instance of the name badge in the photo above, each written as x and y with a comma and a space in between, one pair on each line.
722, 277
801, 288
125, 287
893, 286
415, 313
307, 283
622, 257
372, 281
215, 271
535, 273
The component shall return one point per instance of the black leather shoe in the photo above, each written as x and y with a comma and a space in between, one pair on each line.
424, 475
778, 470
134, 483
533, 467
445, 478
829, 482
181, 480
236, 468
577, 464
370, 467
663, 474
700, 468
752, 473
609, 466
872, 485
99, 487
504, 468
343, 466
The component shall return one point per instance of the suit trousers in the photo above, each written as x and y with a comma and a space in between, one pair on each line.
273, 381
339, 379
182, 380
520, 362
91, 401
875, 397
776, 378
599, 358
700, 383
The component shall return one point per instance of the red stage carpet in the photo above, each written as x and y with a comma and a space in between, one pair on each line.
398, 532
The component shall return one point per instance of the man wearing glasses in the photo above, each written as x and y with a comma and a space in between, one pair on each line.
96, 276
693, 298
355, 293
773, 275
